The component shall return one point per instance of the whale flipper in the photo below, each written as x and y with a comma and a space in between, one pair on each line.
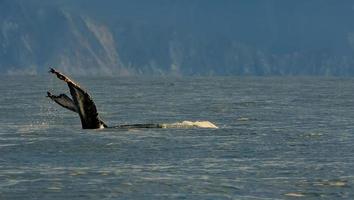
84, 104
132, 126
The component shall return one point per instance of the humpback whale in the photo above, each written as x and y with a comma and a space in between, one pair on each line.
82, 104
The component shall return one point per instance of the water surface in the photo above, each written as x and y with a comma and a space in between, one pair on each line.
279, 138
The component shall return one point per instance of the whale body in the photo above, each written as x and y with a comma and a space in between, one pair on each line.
82, 104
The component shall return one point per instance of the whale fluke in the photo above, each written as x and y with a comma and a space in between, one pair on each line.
81, 103
64, 101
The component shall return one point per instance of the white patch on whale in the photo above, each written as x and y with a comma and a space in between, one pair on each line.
190, 124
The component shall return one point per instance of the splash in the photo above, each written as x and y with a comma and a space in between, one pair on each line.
33, 127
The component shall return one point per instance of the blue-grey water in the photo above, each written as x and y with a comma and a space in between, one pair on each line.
278, 138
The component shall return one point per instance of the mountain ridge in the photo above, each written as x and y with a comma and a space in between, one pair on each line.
177, 37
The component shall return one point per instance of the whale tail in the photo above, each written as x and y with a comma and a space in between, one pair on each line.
64, 101
80, 103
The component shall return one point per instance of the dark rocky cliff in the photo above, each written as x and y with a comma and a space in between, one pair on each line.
305, 37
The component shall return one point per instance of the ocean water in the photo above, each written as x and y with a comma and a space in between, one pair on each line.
278, 138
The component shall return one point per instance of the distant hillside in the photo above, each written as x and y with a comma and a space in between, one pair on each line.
185, 37
35, 37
